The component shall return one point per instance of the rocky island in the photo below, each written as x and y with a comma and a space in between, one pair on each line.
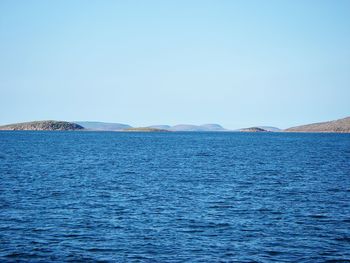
253, 129
43, 126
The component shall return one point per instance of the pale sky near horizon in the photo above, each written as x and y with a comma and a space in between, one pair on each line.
236, 63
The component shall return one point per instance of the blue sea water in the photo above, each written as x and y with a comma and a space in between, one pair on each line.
174, 197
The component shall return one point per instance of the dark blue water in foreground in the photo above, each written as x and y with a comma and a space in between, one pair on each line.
174, 197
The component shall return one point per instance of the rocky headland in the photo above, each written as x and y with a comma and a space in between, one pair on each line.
43, 126
337, 126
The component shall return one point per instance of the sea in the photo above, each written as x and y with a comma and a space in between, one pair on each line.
174, 197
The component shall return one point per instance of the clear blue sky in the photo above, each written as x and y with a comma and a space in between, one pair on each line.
237, 63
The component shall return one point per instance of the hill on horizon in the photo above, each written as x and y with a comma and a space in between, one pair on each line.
103, 126
109, 126
340, 126
336, 126
162, 127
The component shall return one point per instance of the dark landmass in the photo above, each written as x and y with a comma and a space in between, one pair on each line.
252, 129
42, 126
337, 126
103, 126
270, 128
145, 129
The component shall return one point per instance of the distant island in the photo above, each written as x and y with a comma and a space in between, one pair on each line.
106, 126
253, 129
43, 126
103, 126
337, 126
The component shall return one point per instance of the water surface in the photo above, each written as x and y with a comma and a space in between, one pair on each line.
174, 197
